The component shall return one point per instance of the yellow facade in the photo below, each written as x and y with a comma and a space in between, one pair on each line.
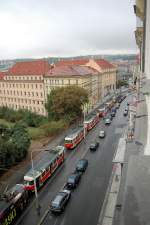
106, 79
23, 92
89, 82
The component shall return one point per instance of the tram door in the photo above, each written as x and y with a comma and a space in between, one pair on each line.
37, 183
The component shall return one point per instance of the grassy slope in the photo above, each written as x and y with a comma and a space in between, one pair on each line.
34, 132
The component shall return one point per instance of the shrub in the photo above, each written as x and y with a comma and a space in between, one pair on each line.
54, 127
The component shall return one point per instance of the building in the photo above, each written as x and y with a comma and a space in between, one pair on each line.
106, 73
124, 69
26, 84
142, 35
22, 86
65, 75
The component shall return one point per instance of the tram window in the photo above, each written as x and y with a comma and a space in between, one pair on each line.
43, 174
68, 141
54, 162
29, 182
47, 169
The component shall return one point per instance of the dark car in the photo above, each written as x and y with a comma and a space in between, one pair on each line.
113, 114
59, 202
73, 180
108, 120
94, 146
125, 113
81, 165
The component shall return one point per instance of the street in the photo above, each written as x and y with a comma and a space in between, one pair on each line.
87, 199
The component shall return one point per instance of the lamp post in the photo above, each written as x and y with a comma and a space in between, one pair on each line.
35, 187
84, 121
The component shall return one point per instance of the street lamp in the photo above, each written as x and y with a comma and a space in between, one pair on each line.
84, 121
38, 207
35, 187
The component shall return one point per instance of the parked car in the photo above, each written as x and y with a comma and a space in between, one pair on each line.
125, 113
113, 114
81, 165
59, 202
73, 180
94, 146
102, 134
107, 121
117, 105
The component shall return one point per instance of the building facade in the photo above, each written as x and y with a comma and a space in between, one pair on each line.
142, 35
22, 86
82, 76
26, 84
106, 73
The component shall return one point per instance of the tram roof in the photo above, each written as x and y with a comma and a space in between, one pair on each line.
6, 202
3, 206
74, 133
89, 118
40, 164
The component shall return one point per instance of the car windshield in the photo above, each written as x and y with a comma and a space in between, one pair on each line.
92, 145
71, 179
57, 200
80, 164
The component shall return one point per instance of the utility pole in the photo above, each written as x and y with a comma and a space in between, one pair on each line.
35, 187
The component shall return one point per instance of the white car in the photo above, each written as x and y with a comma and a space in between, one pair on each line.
102, 134
107, 121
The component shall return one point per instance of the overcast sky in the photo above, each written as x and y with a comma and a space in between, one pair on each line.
45, 28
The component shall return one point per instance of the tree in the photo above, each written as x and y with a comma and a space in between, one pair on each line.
66, 103
121, 83
21, 139
14, 143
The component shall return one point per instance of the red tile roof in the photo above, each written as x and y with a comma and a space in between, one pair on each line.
36, 67
71, 70
104, 64
72, 62
2, 74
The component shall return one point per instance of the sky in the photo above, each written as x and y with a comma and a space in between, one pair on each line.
48, 28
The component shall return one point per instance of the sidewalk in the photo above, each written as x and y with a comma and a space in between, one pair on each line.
114, 211
127, 213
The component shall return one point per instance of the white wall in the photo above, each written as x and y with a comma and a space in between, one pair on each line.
147, 41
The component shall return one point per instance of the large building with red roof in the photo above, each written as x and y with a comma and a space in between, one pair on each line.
82, 76
106, 73
26, 84
22, 87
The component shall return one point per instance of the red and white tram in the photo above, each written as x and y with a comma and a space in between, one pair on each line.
91, 121
102, 112
73, 139
44, 167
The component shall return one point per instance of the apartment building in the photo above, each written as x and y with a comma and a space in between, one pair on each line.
26, 84
82, 76
22, 86
107, 76
106, 73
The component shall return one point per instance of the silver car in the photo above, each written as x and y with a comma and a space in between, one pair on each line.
102, 134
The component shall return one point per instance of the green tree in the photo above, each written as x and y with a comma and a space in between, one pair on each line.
21, 140
14, 144
121, 83
66, 103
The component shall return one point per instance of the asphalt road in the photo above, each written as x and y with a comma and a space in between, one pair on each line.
86, 202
